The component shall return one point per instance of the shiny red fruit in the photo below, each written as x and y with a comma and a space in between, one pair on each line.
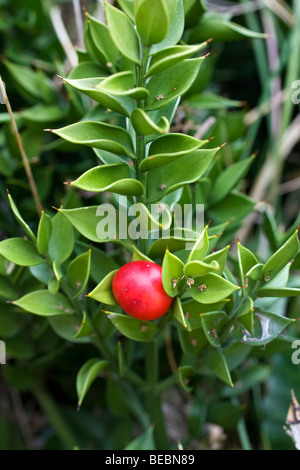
138, 289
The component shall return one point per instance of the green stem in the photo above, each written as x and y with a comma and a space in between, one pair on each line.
153, 400
55, 418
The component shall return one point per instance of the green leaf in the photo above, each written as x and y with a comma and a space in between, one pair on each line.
278, 292
44, 233
267, 326
170, 56
19, 251
219, 256
168, 148
185, 170
217, 364
114, 177
99, 135
67, 327
123, 33
198, 268
193, 342
85, 328
143, 124
172, 272
152, 20
246, 260
62, 239
53, 286
128, 7
282, 257
78, 272
20, 219
133, 328
211, 101
235, 205
171, 83
229, 179
143, 442
174, 243
87, 219
122, 84
220, 29
103, 291
102, 40
212, 323
245, 315
137, 255
176, 28
87, 375
7, 290
178, 314
200, 248
41, 302
193, 310
255, 273
120, 104
211, 288
184, 373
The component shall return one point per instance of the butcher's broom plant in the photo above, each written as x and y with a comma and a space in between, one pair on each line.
144, 275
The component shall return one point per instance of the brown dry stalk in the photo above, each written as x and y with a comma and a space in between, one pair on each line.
25, 160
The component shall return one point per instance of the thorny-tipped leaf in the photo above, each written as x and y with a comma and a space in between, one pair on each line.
255, 272
171, 83
41, 302
178, 314
123, 33
143, 124
44, 233
137, 255
185, 170
168, 148
200, 248
172, 272
216, 362
120, 104
133, 328
99, 135
170, 56
219, 256
211, 288
114, 177
103, 291
20, 219
19, 251
282, 257
192, 342
193, 310
152, 20
85, 327
78, 272
87, 375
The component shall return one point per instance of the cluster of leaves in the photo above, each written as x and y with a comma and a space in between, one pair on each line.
223, 309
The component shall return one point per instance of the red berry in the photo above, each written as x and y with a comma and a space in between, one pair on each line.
137, 287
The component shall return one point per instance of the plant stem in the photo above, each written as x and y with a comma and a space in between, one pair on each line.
153, 398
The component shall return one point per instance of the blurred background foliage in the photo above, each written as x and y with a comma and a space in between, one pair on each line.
243, 97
